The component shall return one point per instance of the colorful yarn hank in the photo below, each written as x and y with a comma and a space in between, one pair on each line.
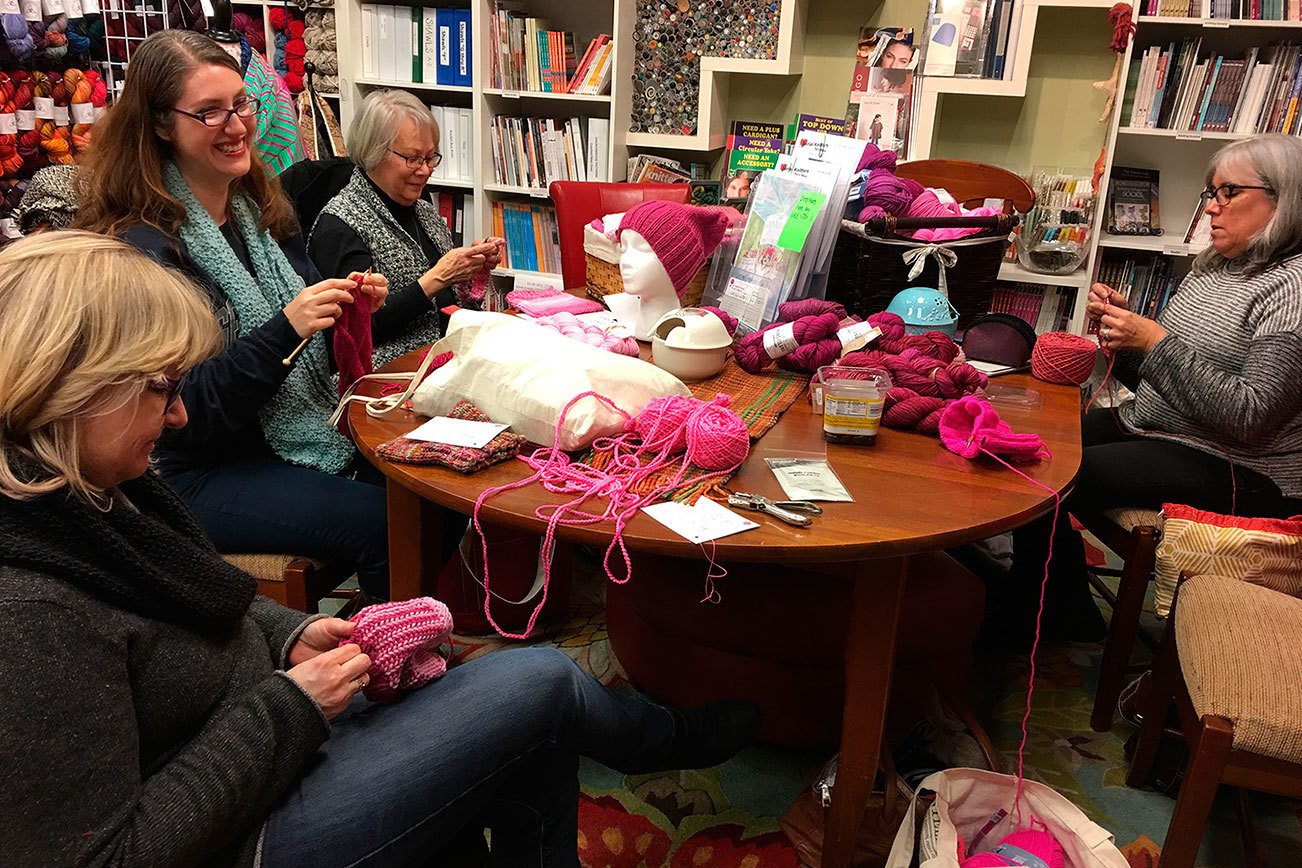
1063, 358
670, 433
757, 350
572, 327
402, 639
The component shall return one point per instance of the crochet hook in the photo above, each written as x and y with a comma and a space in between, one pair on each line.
289, 359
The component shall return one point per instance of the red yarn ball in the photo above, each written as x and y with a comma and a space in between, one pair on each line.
717, 438
1060, 357
278, 17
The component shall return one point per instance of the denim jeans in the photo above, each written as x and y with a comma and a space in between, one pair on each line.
261, 504
494, 742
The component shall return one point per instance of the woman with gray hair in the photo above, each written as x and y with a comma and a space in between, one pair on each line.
380, 221
1216, 419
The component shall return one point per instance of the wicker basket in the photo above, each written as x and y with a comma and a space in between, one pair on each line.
868, 266
604, 279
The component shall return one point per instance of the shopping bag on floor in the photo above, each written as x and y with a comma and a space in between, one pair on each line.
975, 805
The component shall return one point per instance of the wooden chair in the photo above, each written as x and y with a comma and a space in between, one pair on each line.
580, 202
1231, 663
297, 582
970, 183
1132, 534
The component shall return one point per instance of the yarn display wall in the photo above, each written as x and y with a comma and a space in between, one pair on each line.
290, 50
320, 40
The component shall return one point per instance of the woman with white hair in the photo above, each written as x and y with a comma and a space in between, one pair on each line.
1216, 421
380, 221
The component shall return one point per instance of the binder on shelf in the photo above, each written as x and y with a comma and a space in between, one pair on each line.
417, 40
402, 43
467, 144
368, 41
451, 143
383, 41
462, 48
429, 46
447, 26
441, 171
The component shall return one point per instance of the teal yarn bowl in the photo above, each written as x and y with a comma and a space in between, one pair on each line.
924, 309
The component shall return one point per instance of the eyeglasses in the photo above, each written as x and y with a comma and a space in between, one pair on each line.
415, 161
1225, 192
218, 117
169, 388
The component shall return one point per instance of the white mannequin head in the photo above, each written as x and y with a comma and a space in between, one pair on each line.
648, 292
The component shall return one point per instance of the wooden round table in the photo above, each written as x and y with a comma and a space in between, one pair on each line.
910, 495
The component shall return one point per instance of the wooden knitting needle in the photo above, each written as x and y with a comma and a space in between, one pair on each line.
289, 359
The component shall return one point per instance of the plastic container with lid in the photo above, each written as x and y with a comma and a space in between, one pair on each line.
851, 401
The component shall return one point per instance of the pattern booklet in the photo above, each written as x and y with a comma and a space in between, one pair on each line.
881, 88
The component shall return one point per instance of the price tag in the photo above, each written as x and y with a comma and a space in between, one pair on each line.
8, 125
1189, 137
538, 194
52, 7
73, 8
780, 341
1175, 250
32, 9
61, 115
1217, 23
513, 94
89, 7
26, 119
801, 219
854, 337
83, 113
10, 7
44, 107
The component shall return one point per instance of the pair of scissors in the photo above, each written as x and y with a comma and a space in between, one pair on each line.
794, 512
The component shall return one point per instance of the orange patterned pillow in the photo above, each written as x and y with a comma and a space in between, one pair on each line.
1264, 551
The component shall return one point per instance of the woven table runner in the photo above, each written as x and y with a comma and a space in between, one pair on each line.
759, 399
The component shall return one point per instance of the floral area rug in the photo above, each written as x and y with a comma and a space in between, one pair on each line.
728, 816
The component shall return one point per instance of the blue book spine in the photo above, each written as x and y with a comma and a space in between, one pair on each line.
1207, 97
462, 50
444, 20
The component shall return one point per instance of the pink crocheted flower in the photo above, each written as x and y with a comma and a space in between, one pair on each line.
402, 640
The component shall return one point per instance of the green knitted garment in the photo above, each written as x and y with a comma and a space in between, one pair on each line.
278, 140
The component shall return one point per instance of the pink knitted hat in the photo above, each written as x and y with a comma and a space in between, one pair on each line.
970, 426
682, 236
402, 640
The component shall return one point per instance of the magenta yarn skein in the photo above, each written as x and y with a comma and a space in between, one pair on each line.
790, 311
717, 438
876, 158
752, 354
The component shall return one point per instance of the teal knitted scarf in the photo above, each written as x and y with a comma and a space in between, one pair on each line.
295, 420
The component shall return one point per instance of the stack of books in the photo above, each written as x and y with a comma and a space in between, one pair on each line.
1146, 282
533, 242
1173, 88
1251, 10
1045, 308
526, 55
533, 152
414, 45
972, 38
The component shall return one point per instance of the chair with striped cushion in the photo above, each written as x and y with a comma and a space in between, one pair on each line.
297, 582
1132, 534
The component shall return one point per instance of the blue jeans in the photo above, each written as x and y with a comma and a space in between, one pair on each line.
261, 504
495, 742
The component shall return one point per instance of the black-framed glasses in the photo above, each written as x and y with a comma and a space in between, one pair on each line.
219, 117
415, 161
169, 388
1225, 192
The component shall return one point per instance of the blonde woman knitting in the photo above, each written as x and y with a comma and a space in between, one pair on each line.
155, 711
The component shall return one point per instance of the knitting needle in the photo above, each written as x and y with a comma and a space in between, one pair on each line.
289, 359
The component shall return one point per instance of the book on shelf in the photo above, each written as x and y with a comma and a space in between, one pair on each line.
881, 89
1146, 281
752, 147
1245, 10
532, 236
416, 45
1199, 234
971, 38
526, 54
1133, 207
457, 208
533, 152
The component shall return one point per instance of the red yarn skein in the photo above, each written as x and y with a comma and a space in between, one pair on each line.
1060, 357
790, 311
752, 355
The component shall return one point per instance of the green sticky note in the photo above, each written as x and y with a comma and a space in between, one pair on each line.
801, 220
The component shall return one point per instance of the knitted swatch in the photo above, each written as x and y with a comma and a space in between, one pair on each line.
351, 339
402, 639
464, 459
545, 302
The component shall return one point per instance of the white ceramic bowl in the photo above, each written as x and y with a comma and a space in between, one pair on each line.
690, 343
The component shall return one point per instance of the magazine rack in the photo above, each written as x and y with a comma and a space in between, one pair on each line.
868, 266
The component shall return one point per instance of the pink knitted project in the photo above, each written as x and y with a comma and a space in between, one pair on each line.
402, 639
970, 427
572, 327
545, 302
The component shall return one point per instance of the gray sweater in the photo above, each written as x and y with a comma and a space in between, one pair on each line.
134, 741
1227, 378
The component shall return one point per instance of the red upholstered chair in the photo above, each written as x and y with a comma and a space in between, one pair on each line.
777, 639
580, 202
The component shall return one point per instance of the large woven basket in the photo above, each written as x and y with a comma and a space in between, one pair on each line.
868, 266
604, 279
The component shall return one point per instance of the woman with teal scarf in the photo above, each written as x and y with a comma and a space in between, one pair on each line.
174, 172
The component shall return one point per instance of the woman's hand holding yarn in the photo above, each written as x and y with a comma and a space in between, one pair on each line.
319, 637
333, 678
1102, 295
459, 265
1120, 329
316, 307
374, 285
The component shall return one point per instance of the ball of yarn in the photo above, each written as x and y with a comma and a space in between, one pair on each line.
251, 29
790, 311
717, 438
662, 424
1059, 357
886, 193
1041, 845
402, 640
752, 355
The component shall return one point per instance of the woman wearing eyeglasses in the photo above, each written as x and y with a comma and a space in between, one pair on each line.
380, 221
1216, 419
175, 174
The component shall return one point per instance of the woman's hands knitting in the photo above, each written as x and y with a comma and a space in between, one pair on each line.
333, 678
316, 307
461, 264
375, 285
1119, 327
319, 637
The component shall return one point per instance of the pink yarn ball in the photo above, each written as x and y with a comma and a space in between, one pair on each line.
876, 158
662, 424
1039, 844
1059, 357
887, 193
717, 438
753, 357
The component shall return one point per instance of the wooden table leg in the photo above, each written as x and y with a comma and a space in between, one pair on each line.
869, 661
415, 538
